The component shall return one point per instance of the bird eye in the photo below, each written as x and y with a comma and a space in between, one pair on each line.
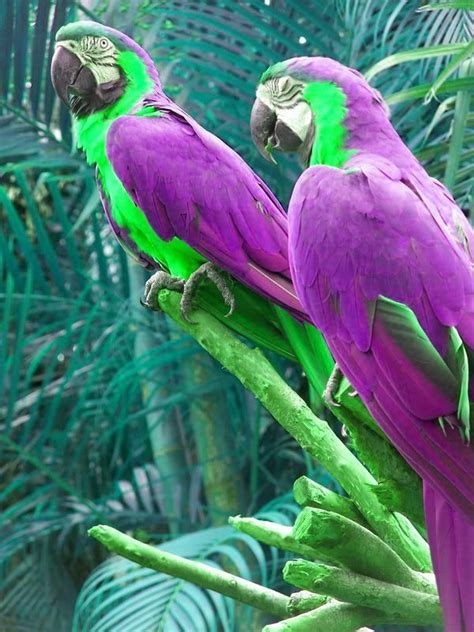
103, 43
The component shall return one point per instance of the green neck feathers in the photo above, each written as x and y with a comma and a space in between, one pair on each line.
328, 103
91, 131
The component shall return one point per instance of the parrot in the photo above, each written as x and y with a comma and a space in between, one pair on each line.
178, 199
381, 258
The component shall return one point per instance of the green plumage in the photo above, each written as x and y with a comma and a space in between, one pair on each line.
255, 317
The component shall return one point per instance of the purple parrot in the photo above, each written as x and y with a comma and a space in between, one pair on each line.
381, 258
177, 197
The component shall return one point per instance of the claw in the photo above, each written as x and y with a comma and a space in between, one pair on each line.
332, 386
161, 280
212, 272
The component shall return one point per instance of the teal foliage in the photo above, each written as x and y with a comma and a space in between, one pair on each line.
118, 589
91, 386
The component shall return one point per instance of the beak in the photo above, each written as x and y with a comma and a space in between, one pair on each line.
262, 125
69, 75
269, 132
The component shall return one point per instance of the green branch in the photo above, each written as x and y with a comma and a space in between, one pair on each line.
333, 616
309, 493
313, 434
396, 602
277, 535
304, 601
198, 573
357, 548
399, 605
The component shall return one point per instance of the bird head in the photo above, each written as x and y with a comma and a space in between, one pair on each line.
297, 96
94, 65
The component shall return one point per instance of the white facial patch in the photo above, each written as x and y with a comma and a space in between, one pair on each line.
98, 54
103, 74
284, 96
298, 118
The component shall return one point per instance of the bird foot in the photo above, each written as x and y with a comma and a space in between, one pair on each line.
161, 280
213, 273
332, 386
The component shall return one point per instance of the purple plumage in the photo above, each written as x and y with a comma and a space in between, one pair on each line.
380, 228
191, 185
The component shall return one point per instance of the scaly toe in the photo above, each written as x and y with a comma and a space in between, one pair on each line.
186, 304
214, 275
161, 280
332, 386
328, 398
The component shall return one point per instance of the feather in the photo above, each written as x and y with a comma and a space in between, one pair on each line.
190, 185
391, 288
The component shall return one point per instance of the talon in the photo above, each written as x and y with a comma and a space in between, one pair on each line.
332, 386
328, 398
161, 280
212, 272
185, 305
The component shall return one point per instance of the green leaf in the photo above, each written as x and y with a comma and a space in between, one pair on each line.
453, 65
413, 55
458, 139
419, 92
447, 4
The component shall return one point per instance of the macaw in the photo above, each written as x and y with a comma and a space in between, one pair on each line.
178, 198
381, 259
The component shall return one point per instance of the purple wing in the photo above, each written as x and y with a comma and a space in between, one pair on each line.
193, 186
361, 234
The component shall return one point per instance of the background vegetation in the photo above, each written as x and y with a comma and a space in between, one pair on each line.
110, 414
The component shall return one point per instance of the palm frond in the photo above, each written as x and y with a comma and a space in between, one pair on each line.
120, 595
92, 388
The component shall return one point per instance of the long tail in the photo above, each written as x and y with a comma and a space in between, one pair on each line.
254, 317
310, 348
273, 328
451, 538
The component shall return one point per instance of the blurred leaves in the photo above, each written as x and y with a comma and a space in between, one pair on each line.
81, 401
118, 589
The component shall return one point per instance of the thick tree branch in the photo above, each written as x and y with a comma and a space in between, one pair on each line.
395, 601
198, 573
314, 435
277, 535
312, 494
357, 548
333, 616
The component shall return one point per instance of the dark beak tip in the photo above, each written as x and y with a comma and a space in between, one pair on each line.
65, 67
262, 124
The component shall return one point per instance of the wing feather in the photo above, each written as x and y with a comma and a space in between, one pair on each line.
193, 186
387, 282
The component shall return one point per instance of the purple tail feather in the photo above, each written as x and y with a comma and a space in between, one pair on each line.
451, 538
